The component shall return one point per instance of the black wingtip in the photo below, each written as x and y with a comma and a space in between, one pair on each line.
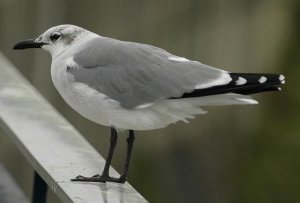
243, 83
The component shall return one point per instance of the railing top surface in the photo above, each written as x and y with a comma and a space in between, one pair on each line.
52, 145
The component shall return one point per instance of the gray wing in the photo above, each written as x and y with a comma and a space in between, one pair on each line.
135, 74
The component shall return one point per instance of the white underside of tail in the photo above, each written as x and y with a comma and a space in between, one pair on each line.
221, 99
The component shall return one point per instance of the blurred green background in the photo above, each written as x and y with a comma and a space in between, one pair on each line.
232, 154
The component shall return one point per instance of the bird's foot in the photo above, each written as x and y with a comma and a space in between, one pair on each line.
99, 178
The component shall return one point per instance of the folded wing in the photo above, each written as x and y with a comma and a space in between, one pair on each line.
137, 74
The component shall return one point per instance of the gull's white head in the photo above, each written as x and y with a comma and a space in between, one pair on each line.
56, 39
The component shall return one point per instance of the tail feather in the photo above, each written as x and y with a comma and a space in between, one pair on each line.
242, 83
220, 100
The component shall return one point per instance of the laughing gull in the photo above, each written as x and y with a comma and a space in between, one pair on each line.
133, 86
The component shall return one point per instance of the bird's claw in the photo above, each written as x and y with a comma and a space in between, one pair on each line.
99, 178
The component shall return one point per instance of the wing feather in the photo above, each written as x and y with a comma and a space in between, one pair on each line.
135, 74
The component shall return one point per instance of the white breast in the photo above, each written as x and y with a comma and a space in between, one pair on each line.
85, 100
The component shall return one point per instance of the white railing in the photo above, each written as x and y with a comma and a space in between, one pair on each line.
53, 147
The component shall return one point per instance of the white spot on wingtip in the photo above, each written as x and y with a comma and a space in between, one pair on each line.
281, 77
240, 81
179, 59
262, 79
278, 88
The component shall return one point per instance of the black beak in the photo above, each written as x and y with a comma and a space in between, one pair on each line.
28, 43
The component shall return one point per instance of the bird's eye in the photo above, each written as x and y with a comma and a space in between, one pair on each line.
55, 36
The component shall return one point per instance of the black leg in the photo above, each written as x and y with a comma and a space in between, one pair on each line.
105, 174
130, 141
113, 142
